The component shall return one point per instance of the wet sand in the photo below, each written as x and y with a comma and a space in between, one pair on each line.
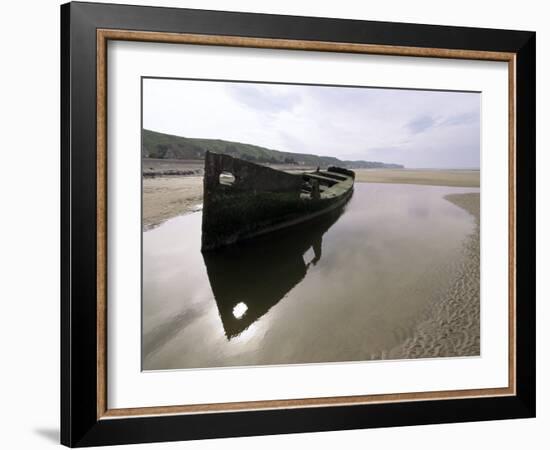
165, 197
389, 309
458, 178
451, 324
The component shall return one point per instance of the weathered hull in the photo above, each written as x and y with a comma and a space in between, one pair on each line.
261, 200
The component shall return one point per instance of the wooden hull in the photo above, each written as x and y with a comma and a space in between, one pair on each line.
262, 200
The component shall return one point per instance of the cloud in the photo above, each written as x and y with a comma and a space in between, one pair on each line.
467, 118
293, 143
412, 127
420, 124
263, 97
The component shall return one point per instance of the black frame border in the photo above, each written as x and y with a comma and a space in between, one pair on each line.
79, 423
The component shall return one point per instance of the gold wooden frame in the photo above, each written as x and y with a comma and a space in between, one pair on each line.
104, 35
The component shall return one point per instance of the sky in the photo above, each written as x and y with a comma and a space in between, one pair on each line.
416, 128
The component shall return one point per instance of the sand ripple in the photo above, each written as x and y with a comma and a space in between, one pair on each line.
450, 327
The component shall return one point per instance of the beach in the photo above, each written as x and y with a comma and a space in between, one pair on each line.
459, 178
167, 196
448, 320
451, 324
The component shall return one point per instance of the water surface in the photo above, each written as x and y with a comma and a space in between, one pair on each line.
348, 287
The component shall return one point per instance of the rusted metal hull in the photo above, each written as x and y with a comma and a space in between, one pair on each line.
260, 200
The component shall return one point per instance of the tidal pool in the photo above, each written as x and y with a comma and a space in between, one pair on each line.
349, 287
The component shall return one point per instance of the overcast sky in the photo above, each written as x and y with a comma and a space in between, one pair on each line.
416, 128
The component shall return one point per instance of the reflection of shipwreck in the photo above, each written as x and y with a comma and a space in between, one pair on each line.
244, 200
249, 278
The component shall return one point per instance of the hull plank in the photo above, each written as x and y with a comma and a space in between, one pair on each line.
243, 200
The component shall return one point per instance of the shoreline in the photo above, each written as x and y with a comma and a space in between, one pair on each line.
168, 196
427, 177
450, 327
164, 198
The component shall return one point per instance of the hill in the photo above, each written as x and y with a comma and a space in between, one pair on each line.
167, 146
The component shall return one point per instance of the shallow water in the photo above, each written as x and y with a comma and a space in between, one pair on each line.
349, 287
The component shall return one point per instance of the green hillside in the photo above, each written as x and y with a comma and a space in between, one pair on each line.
166, 146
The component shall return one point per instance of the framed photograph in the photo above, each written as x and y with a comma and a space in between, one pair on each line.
277, 224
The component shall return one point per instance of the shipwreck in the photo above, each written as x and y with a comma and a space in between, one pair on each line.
243, 200
246, 284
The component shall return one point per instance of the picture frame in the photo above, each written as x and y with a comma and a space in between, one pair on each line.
86, 29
